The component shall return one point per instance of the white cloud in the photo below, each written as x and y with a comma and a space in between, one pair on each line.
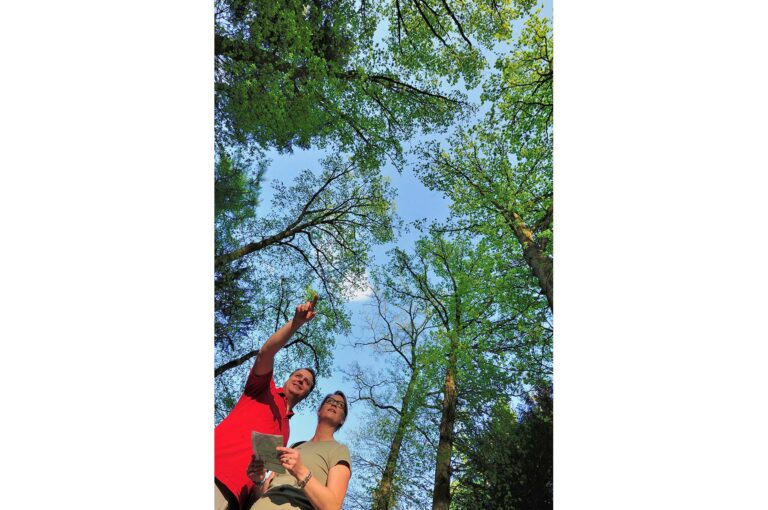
357, 288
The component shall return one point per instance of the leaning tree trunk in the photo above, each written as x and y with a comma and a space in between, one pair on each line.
249, 248
383, 497
441, 498
539, 262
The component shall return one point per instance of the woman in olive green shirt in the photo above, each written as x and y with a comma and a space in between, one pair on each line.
317, 471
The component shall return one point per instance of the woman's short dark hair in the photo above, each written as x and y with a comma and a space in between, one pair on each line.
346, 405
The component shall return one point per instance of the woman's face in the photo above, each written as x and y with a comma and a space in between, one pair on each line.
333, 408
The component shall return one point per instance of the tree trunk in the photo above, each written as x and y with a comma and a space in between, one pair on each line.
249, 248
441, 497
540, 262
383, 494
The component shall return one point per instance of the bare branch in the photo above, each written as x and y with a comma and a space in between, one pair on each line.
235, 362
455, 20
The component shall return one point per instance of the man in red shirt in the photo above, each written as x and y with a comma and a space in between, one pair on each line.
262, 407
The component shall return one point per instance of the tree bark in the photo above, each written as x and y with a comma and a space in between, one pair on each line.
249, 248
540, 262
383, 494
234, 363
441, 498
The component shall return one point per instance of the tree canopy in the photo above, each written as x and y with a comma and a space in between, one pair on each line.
458, 404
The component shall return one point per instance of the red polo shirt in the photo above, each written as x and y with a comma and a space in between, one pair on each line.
260, 408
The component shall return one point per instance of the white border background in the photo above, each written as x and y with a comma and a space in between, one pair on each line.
107, 212
107, 205
660, 255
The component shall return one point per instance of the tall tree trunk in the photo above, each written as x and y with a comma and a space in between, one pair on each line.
383, 494
540, 262
441, 497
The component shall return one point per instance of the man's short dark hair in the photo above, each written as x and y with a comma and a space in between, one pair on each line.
314, 379
346, 405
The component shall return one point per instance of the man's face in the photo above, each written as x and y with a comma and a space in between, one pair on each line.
299, 383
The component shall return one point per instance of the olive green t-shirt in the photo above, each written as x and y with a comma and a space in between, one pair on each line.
319, 457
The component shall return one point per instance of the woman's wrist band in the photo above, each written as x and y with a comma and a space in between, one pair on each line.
305, 480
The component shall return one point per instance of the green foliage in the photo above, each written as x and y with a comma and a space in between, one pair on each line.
237, 186
236, 190
293, 73
412, 484
488, 321
498, 172
271, 61
273, 303
317, 235
507, 461
522, 92
310, 293
235, 313
358, 80
452, 33
322, 228
398, 399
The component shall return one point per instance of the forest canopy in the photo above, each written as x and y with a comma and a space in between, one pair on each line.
453, 371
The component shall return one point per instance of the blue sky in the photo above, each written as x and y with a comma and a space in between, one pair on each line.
109, 279
413, 202
97, 221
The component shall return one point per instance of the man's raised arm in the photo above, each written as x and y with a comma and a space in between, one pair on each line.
266, 358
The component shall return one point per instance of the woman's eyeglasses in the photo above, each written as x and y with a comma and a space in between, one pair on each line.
337, 403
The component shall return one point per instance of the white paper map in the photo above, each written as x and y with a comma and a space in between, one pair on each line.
264, 448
